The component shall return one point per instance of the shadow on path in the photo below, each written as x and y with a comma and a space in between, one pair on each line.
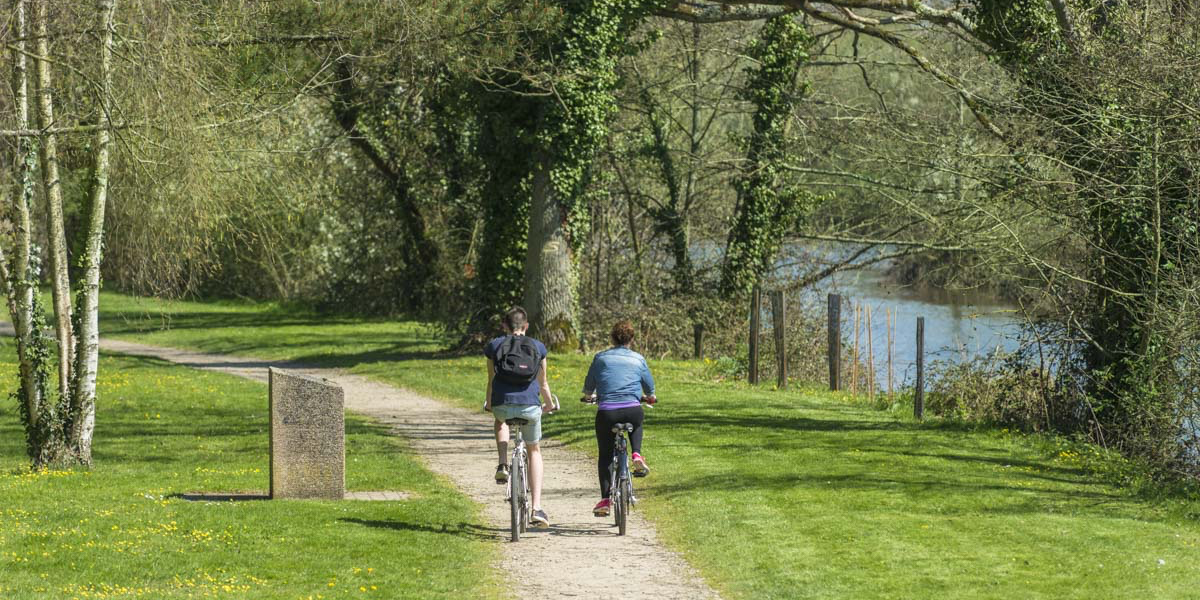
467, 530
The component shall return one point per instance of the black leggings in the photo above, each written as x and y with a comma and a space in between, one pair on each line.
605, 420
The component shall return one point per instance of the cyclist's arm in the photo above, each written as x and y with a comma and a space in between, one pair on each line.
544, 384
491, 369
589, 382
647, 380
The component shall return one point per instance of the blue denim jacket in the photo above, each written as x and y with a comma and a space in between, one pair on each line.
619, 376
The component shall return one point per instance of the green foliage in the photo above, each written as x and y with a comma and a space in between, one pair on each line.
1022, 33
45, 432
769, 202
596, 34
507, 129
1104, 103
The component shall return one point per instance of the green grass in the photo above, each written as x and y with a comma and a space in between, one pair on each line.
120, 530
797, 494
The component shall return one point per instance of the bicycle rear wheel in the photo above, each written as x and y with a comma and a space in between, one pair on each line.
516, 499
620, 506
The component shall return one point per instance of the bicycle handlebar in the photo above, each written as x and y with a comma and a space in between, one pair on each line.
647, 400
555, 406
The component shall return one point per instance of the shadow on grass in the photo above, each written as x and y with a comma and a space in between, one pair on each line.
464, 530
980, 497
1004, 462
141, 322
222, 497
318, 352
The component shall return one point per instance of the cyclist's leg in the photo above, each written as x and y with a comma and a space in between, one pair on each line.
502, 440
535, 474
635, 415
604, 442
533, 434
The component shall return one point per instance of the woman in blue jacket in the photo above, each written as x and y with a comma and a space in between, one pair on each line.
618, 378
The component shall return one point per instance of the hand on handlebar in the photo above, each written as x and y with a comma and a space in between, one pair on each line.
650, 400
551, 406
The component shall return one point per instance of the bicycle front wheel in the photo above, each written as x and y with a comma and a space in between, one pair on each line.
516, 501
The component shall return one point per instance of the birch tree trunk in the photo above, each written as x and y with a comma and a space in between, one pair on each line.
60, 279
549, 269
22, 282
87, 349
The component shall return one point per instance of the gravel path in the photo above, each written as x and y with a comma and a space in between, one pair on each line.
579, 556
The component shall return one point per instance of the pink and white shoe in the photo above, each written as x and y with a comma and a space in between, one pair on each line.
602, 507
639, 466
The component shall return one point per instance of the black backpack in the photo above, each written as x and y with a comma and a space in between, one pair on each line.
518, 360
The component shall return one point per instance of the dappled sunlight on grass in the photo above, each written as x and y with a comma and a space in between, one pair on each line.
798, 493
123, 529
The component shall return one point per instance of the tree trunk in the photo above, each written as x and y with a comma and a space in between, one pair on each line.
550, 275
83, 406
23, 282
60, 280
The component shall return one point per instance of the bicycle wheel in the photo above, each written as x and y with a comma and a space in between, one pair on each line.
517, 496
621, 506
526, 496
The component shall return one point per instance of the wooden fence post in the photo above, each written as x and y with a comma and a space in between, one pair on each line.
755, 313
854, 352
698, 336
835, 341
919, 393
780, 322
890, 348
870, 357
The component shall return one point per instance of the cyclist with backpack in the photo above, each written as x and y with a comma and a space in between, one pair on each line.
516, 375
618, 379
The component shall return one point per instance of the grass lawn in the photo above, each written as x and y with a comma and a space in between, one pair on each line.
120, 530
797, 494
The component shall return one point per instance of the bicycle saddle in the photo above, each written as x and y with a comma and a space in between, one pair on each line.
517, 421
623, 427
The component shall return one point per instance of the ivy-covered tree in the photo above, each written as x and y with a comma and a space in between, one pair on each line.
1105, 81
769, 199
572, 123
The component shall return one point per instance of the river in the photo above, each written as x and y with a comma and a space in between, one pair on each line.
959, 325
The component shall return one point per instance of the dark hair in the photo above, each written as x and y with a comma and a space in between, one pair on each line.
622, 333
515, 318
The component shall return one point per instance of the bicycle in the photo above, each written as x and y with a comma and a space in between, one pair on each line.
517, 492
620, 483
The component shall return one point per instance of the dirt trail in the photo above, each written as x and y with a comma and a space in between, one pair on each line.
579, 556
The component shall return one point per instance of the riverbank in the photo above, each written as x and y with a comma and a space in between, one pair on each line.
783, 494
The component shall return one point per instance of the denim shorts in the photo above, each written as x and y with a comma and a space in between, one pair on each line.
530, 412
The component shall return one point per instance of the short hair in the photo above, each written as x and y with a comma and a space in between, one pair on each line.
622, 333
515, 318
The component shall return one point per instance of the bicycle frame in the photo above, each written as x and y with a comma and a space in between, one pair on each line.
621, 484
517, 490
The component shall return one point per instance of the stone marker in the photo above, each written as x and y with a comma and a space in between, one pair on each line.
308, 437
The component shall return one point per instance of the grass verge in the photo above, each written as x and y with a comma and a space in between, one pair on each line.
121, 530
796, 494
